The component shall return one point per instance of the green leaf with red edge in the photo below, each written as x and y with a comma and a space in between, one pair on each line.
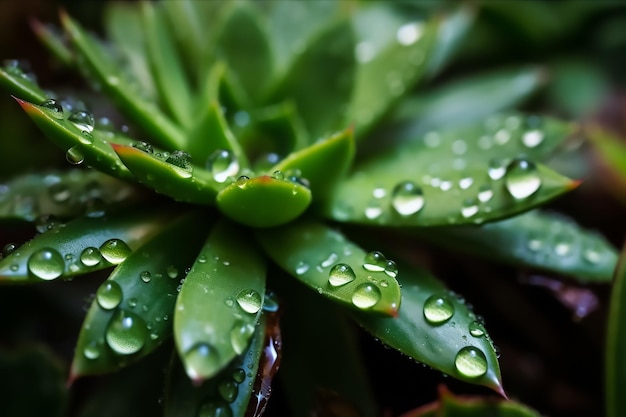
183, 183
437, 328
61, 194
104, 70
473, 174
219, 303
615, 362
264, 201
327, 262
535, 239
134, 308
18, 83
52, 39
77, 247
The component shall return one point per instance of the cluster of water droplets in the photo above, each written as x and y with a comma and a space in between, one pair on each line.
19, 68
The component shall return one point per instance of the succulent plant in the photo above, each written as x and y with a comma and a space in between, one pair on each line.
291, 166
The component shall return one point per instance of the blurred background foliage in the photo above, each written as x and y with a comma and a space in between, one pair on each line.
550, 361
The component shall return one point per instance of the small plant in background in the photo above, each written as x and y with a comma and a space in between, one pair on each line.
289, 182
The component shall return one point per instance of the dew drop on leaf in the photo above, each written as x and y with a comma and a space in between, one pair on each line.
215, 409
496, 169
55, 106
222, 164
90, 256
145, 276
59, 192
522, 178
375, 261
485, 193
109, 295
278, 175
92, 351
471, 362
409, 33
115, 251
172, 271
366, 296
301, 268
228, 390
373, 210
532, 138
438, 309
83, 121
240, 336
201, 359
46, 264
341, 274
74, 156
593, 253
391, 269
8, 249
469, 208
143, 146
126, 333
250, 301
477, 329
407, 198
239, 375
181, 161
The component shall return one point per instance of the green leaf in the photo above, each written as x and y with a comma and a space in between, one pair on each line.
219, 303
547, 241
167, 68
321, 79
323, 163
243, 44
123, 91
131, 313
170, 174
383, 78
80, 246
17, 82
337, 367
324, 260
52, 38
231, 388
264, 201
451, 340
615, 362
60, 194
611, 155
469, 175
81, 145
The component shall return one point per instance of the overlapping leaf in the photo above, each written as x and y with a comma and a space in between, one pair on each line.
16, 81
615, 363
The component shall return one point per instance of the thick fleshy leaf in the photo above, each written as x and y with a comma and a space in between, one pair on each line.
384, 75
475, 174
171, 174
615, 362
450, 405
231, 388
219, 303
327, 262
80, 246
264, 201
243, 43
52, 38
547, 241
18, 81
123, 91
123, 23
437, 328
321, 79
61, 194
82, 145
335, 366
322, 163
167, 68
132, 311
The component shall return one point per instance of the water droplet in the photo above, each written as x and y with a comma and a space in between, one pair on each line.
366, 296
239, 375
59, 192
471, 362
109, 295
92, 351
379, 193
496, 169
90, 256
144, 146
438, 309
8, 249
132, 302
250, 301
55, 106
341, 274
534, 243
145, 276
46, 264
46, 222
373, 210
115, 251
228, 390
563, 244
407, 198
222, 164
532, 138
83, 120
477, 329
302, 267
242, 181
74, 156
522, 178
181, 161
469, 208
375, 261
201, 359
241, 118
278, 175
202, 259
593, 252
172, 271
485, 193
391, 269
445, 185
465, 183
409, 33
240, 336
215, 409
126, 333
332, 258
